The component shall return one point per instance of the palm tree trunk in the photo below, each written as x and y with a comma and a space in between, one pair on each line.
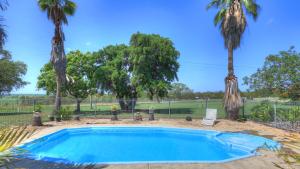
57, 97
230, 62
232, 99
59, 61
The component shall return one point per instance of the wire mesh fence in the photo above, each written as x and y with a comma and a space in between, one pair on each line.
19, 110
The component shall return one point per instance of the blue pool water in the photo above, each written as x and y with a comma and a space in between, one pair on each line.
111, 145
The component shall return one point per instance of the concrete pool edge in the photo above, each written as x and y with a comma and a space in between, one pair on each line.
180, 129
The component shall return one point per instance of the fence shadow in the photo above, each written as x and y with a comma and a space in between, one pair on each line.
34, 164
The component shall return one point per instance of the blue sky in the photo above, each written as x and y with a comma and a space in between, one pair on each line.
203, 59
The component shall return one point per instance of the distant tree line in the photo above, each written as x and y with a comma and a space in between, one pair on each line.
181, 91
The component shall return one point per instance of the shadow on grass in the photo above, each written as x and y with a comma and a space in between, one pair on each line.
34, 164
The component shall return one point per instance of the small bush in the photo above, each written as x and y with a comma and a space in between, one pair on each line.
114, 108
188, 118
138, 116
262, 112
291, 114
66, 113
38, 108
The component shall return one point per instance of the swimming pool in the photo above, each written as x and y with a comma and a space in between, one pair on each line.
123, 145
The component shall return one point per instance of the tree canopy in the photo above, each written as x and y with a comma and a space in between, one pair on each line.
148, 65
113, 75
80, 73
154, 63
280, 75
11, 74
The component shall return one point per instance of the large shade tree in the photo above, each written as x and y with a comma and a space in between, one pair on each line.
11, 72
232, 20
57, 11
113, 74
80, 73
279, 76
154, 64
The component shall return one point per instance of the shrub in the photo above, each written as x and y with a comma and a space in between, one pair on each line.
138, 116
114, 108
66, 113
262, 112
291, 114
38, 108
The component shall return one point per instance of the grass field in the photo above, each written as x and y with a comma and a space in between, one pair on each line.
15, 112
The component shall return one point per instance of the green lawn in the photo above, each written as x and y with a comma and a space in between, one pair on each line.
14, 113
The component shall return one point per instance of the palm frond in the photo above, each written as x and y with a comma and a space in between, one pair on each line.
214, 3
10, 137
3, 35
252, 8
3, 4
58, 9
220, 16
69, 7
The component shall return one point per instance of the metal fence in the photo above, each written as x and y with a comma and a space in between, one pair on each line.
18, 110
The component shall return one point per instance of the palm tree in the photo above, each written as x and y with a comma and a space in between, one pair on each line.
3, 35
232, 20
57, 11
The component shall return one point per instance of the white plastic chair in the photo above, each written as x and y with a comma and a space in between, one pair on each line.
210, 118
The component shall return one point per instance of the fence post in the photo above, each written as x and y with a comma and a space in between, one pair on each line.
169, 108
91, 102
243, 100
18, 105
96, 102
275, 114
132, 112
206, 102
33, 104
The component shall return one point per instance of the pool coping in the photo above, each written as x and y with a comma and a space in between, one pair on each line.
251, 152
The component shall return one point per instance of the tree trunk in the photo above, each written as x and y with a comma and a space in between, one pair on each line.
232, 99
91, 102
131, 103
57, 97
122, 104
78, 101
59, 62
157, 99
230, 62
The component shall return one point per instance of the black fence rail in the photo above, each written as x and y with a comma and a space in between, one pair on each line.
19, 111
